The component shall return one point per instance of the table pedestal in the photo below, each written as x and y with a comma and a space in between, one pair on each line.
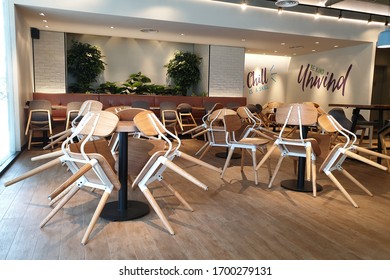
132, 210
300, 184
292, 185
123, 209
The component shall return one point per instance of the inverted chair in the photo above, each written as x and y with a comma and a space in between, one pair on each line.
90, 162
151, 162
341, 151
301, 115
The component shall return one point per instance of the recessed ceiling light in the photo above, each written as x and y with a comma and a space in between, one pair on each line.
336, 46
286, 3
182, 34
149, 30
112, 27
313, 50
42, 14
44, 20
282, 44
46, 26
296, 47
317, 43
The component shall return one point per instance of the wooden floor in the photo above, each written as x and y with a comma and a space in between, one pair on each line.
234, 219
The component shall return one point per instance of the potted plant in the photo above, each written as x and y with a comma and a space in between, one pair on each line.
184, 70
137, 83
85, 64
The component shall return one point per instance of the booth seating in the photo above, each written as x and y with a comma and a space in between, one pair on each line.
59, 102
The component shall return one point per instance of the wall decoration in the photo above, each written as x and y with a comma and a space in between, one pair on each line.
259, 79
313, 76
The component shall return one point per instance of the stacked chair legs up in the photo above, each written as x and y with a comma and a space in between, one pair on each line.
90, 161
159, 157
342, 151
301, 116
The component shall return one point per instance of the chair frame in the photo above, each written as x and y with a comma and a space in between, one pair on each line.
151, 127
302, 147
232, 124
342, 151
93, 124
32, 125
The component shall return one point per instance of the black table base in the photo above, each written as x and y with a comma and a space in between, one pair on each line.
134, 210
124, 209
293, 185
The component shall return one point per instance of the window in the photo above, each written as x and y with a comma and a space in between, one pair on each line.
7, 142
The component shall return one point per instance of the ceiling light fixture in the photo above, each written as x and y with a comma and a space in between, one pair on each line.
286, 3
384, 36
149, 30
243, 5
317, 13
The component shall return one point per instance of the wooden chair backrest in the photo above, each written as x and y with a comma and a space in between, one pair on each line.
220, 113
232, 123
326, 124
73, 106
242, 112
128, 114
99, 150
39, 105
105, 125
297, 114
90, 106
140, 151
145, 124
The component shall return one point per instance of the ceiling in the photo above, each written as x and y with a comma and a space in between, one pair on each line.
72, 21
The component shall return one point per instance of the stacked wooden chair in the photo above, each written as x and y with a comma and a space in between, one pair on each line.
233, 123
202, 128
300, 115
153, 155
342, 151
215, 131
86, 106
90, 162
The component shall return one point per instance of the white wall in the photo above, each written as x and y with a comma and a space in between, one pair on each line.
125, 56
49, 62
265, 78
355, 85
226, 71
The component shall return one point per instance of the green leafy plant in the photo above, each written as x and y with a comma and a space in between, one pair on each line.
85, 64
110, 87
137, 83
184, 70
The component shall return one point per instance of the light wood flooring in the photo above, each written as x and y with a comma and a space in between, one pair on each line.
234, 219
